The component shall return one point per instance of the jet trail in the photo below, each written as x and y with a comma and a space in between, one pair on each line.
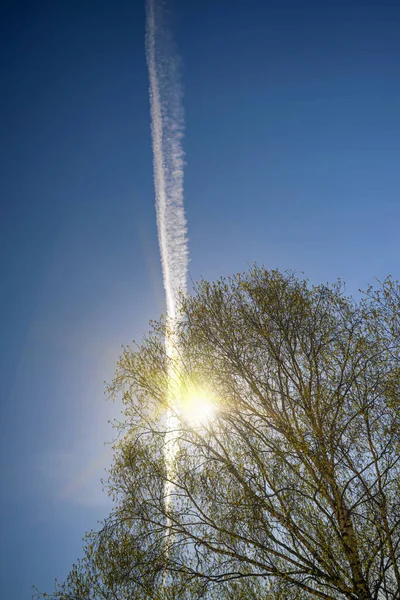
167, 126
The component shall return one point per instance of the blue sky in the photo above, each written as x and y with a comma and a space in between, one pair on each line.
292, 146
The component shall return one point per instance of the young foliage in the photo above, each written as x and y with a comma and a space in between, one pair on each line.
292, 489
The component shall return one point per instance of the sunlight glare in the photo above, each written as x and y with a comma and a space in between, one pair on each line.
198, 408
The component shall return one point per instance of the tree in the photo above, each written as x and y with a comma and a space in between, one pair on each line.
292, 489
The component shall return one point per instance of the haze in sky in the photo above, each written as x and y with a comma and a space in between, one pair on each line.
292, 150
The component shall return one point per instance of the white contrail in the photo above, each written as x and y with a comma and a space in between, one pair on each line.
167, 125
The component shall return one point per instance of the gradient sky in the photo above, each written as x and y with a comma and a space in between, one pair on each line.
293, 146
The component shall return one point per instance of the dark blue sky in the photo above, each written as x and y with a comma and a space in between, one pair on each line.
293, 145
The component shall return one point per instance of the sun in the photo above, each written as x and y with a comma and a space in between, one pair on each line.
197, 408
